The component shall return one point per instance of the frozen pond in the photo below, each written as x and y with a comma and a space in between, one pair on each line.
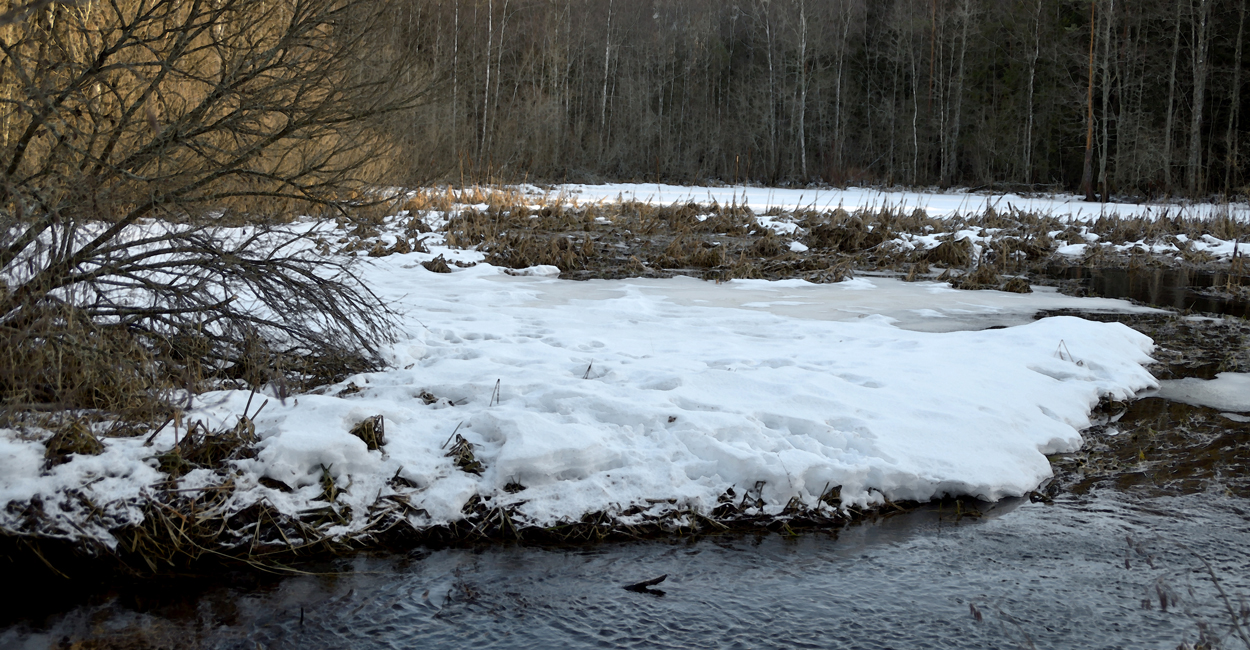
1061, 575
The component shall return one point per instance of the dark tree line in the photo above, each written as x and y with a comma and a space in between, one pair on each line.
947, 92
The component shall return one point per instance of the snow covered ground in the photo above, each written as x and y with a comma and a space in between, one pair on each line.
936, 203
663, 394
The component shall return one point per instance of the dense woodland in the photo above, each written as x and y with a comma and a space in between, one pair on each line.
1141, 98
913, 92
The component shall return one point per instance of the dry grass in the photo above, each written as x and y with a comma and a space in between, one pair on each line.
723, 242
462, 455
372, 431
200, 448
952, 254
57, 358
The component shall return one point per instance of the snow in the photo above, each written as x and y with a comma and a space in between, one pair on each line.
936, 203
659, 393
618, 393
636, 392
111, 483
1229, 391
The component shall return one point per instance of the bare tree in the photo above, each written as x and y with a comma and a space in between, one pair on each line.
1199, 62
1230, 142
185, 111
1087, 175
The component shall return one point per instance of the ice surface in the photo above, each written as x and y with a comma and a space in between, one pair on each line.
1229, 391
924, 306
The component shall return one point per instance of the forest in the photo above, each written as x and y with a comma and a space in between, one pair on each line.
1008, 93
1103, 97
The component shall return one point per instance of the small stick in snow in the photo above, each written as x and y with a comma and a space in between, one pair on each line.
587, 375
151, 438
252, 417
453, 435
1063, 347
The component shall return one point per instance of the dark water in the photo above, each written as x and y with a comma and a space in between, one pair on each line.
1050, 576
1183, 289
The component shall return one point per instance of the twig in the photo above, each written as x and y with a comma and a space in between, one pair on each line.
642, 586
453, 435
1233, 616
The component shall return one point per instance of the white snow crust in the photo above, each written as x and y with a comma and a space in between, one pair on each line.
621, 393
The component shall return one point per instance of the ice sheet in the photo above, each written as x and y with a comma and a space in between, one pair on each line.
1229, 391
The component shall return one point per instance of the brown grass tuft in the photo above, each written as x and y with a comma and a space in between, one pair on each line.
437, 265
372, 431
951, 253
73, 437
1017, 285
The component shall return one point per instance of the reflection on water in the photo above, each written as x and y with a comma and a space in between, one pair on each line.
1180, 288
1060, 575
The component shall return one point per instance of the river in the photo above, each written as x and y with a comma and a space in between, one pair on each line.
1058, 575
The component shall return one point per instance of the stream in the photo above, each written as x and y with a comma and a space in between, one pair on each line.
1091, 572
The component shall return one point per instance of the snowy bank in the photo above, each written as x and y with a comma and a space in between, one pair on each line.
936, 203
646, 394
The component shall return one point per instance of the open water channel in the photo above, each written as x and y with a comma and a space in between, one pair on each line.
1082, 572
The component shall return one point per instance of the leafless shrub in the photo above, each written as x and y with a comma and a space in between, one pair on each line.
201, 115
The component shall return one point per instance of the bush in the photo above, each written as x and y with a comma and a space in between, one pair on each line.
132, 132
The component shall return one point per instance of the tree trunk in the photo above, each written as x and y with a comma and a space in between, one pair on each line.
952, 147
1107, 19
607, 57
772, 95
1195, 177
490, 36
1028, 124
1168, 125
1230, 141
802, 107
915, 116
837, 87
503, 27
455, 79
1087, 176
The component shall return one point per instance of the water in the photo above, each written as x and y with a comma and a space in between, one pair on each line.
1181, 288
1049, 575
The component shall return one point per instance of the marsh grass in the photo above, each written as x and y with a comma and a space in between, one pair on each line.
723, 242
